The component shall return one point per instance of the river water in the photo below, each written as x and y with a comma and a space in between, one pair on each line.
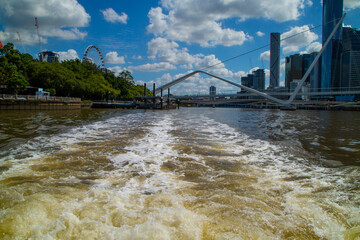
193, 173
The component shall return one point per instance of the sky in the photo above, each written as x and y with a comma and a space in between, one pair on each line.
159, 41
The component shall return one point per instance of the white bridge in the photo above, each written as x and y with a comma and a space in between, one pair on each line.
262, 94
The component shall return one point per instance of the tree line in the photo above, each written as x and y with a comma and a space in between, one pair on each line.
71, 78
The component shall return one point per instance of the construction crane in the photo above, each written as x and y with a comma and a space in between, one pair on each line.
21, 41
37, 28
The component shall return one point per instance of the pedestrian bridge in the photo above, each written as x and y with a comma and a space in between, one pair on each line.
262, 94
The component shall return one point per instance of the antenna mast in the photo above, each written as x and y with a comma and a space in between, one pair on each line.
21, 41
37, 28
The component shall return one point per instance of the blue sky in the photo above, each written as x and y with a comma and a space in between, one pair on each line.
161, 40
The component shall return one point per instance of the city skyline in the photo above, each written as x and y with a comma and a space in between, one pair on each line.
159, 41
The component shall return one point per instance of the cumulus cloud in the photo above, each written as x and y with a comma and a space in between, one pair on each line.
169, 51
206, 33
351, 3
260, 34
57, 18
111, 16
198, 84
113, 58
309, 3
294, 44
137, 57
195, 22
68, 55
154, 67
313, 47
265, 56
118, 69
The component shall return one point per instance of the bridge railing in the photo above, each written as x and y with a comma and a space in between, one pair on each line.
277, 92
38, 98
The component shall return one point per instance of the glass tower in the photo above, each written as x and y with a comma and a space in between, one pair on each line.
274, 60
259, 79
330, 68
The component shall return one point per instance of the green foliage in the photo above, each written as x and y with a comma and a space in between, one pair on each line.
16, 83
70, 78
52, 91
12, 70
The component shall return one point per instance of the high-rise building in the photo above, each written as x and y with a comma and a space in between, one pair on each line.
259, 79
315, 74
248, 81
295, 68
49, 56
331, 57
350, 77
212, 92
274, 60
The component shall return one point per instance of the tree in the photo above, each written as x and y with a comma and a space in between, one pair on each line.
12, 69
16, 83
126, 75
74, 78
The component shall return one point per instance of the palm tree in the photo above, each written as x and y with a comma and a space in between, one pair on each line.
127, 76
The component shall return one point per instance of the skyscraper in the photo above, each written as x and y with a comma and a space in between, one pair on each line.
350, 59
212, 92
259, 79
248, 81
331, 57
295, 68
274, 59
315, 75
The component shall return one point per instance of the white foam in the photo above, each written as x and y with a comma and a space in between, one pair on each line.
139, 200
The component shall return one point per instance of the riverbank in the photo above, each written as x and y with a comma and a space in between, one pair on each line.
33, 102
38, 105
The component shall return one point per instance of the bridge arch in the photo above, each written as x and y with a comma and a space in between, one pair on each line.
176, 81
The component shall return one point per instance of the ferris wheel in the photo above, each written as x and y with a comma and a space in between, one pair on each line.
93, 54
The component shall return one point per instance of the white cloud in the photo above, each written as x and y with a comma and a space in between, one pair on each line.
267, 74
294, 44
265, 56
198, 84
113, 58
158, 21
111, 16
313, 47
68, 55
56, 18
251, 71
165, 78
118, 69
168, 51
351, 3
154, 67
206, 33
195, 22
282, 67
260, 34
170, 54
137, 57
